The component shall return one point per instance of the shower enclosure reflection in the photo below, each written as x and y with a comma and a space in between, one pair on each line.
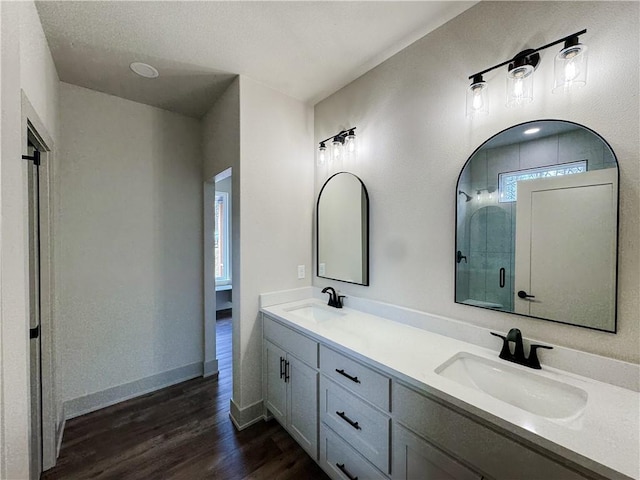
536, 226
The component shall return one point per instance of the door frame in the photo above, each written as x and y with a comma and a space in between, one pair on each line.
210, 364
51, 426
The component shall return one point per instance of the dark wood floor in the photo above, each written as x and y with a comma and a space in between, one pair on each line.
180, 432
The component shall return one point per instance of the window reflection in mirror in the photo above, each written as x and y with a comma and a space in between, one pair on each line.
536, 226
342, 231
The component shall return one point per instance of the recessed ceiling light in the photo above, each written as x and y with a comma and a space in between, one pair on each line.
144, 70
531, 131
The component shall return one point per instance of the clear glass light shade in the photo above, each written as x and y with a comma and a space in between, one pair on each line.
350, 147
336, 151
570, 68
477, 99
520, 86
323, 155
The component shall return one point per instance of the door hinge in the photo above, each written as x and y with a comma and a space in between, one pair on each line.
35, 158
34, 332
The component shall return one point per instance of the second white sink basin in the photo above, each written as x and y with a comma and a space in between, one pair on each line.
526, 390
316, 313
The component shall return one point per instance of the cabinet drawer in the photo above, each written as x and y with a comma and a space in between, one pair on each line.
414, 458
300, 346
361, 425
367, 383
341, 461
489, 452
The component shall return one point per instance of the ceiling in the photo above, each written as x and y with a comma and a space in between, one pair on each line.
305, 49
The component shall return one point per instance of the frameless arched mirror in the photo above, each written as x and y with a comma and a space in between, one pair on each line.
537, 223
342, 230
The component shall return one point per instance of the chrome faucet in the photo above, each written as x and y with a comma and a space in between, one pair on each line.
335, 300
517, 356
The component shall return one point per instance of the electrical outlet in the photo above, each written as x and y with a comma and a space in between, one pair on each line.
321, 269
301, 272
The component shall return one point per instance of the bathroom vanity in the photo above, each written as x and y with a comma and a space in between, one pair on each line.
372, 398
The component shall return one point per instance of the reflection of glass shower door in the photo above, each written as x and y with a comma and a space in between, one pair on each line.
490, 258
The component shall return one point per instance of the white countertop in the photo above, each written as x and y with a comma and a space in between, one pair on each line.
606, 434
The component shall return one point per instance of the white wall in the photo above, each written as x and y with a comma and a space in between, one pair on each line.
129, 242
38, 75
415, 138
267, 139
26, 64
276, 178
220, 132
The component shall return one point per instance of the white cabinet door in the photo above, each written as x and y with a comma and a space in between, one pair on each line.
415, 458
275, 388
302, 405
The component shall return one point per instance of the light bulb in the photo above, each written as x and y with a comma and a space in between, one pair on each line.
570, 71
517, 88
477, 99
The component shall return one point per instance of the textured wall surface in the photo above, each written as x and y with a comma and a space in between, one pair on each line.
276, 178
129, 244
415, 138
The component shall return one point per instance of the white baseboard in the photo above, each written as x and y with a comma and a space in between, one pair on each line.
95, 401
247, 416
60, 433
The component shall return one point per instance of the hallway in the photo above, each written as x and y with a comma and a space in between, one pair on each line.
180, 432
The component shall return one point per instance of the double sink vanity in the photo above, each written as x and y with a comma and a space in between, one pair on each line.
373, 398
377, 391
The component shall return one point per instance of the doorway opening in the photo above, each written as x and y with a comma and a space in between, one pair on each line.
218, 278
223, 275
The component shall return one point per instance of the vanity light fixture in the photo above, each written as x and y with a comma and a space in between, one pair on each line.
477, 97
343, 144
570, 71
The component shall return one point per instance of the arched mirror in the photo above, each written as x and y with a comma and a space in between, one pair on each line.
537, 223
342, 231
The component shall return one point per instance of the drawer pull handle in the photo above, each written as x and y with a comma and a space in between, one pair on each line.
344, 470
281, 367
353, 379
286, 372
348, 420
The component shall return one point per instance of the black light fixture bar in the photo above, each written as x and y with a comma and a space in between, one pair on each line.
529, 52
341, 134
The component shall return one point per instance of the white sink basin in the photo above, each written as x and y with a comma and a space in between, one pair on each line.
526, 390
316, 313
